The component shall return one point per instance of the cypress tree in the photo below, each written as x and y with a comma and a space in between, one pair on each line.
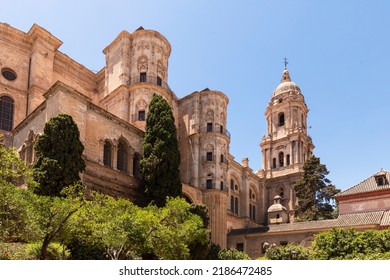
315, 192
161, 156
59, 156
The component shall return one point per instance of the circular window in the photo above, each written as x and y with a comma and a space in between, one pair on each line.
9, 74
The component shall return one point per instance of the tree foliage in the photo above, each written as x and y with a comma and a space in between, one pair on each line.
12, 169
341, 244
288, 252
232, 254
59, 156
14, 215
127, 231
161, 156
315, 193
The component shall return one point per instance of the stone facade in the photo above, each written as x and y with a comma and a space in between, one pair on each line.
110, 108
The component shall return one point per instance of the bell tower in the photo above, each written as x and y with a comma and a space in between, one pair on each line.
286, 144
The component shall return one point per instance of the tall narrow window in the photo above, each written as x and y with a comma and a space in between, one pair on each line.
122, 157
221, 186
281, 159
6, 113
231, 184
209, 127
236, 205
209, 156
107, 152
274, 163
141, 115
142, 77
159, 81
281, 119
288, 160
232, 203
254, 213
209, 184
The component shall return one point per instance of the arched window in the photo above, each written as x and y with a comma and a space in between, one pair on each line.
121, 164
107, 154
274, 163
281, 159
281, 119
6, 113
288, 160
232, 203
136, 166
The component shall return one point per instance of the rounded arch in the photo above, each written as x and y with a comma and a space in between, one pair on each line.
281, 119
234, 183
209, 148
187, 198
107, 153
281, 159
252, 193
122, 155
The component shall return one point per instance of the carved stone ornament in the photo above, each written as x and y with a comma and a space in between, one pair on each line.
160, 69
141, 104
142, 63
143, 46
210, 115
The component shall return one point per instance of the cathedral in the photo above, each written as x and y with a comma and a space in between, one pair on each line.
110, 107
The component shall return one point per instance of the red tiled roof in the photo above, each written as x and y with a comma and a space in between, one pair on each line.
380, 218
368, 185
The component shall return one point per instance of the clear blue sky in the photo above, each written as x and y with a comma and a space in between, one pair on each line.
338, 53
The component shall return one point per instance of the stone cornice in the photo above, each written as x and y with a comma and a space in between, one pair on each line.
14, 36
213, 92
30, 117
122, 35
60, 86
36, 32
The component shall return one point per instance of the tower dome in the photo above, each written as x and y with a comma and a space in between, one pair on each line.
286, 85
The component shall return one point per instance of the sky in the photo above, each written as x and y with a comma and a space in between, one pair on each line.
338, 53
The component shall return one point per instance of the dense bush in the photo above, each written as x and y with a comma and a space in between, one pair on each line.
339, 244
288, 252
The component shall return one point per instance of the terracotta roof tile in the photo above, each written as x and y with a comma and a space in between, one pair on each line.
346, 220
368, 185
386, 219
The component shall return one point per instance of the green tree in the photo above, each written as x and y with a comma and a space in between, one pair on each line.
288, 252
114, 223
12, 169
49, 217
161, 156
127, 231
59, 156
173, 229
232, 254
314, 192
343, 244
14, 203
